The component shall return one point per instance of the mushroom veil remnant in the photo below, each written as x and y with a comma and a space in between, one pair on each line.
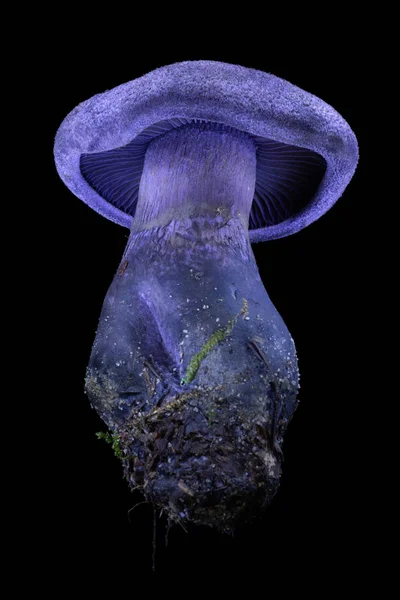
192, 368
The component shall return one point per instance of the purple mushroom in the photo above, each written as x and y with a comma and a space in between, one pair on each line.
192, 369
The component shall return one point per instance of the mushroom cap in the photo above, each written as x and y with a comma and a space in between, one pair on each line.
306, 152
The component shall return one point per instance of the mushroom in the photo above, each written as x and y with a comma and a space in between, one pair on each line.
192, 369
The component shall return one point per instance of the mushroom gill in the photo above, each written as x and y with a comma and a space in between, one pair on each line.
287, 176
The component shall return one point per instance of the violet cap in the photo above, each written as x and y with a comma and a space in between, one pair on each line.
306, 152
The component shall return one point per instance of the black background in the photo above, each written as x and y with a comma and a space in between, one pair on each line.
317, 531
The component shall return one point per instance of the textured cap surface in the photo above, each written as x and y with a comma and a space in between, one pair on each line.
261, 104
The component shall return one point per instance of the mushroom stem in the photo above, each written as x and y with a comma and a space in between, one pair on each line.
189, 299
202, 170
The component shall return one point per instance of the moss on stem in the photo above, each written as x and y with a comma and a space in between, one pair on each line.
213, 340
113, 440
